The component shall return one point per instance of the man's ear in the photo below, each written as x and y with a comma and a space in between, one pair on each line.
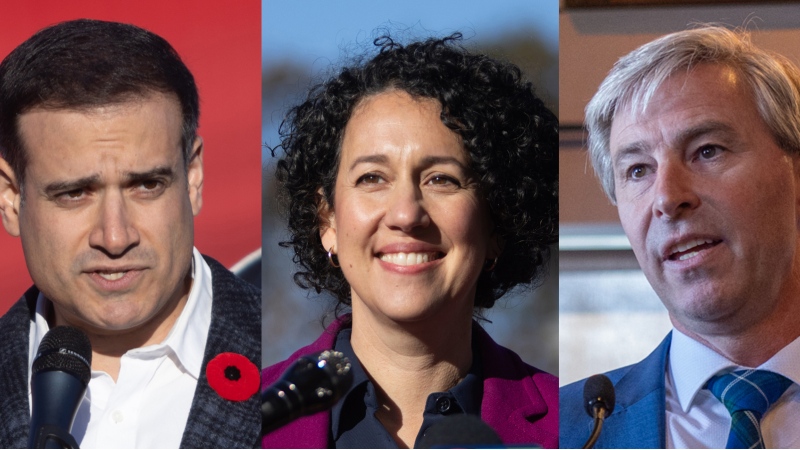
10, 198
327, 222
194, 175
795, 159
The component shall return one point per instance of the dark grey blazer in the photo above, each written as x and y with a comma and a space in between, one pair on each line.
213, 421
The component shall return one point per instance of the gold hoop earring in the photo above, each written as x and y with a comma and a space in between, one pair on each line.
492, 266
330, 258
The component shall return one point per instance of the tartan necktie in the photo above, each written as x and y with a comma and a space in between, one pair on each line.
747, 394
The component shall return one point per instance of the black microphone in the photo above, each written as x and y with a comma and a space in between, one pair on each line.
311, 384
60, 373
460, 431
599, 400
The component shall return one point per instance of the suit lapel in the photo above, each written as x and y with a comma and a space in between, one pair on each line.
14, 405
639, 418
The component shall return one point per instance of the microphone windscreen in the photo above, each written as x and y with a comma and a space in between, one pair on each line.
598, 389
460, 431
66, 349
311, 384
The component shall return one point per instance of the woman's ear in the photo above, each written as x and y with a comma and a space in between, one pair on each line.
496, 246
327, 222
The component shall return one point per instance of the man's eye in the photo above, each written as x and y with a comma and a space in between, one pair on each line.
149, 188
74, 194
150, 184
638, 171
709, 152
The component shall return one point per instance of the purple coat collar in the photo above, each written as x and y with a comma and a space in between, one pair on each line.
520, 402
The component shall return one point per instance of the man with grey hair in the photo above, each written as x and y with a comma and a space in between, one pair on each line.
696, 139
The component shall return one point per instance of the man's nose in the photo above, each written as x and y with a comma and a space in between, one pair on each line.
114, 232
675, 193
405, 208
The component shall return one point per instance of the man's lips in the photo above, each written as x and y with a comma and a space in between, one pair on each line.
112, 273
689, 248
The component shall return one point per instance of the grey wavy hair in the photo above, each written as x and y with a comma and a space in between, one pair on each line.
634, 79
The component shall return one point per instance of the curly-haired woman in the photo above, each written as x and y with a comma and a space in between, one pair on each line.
421, 187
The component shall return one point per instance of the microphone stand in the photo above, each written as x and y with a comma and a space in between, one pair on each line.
48, 435
599, 417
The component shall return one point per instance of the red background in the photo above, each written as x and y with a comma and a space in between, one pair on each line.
220, 42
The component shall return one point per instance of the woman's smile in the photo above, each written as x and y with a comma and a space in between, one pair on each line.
410, 259
406, 199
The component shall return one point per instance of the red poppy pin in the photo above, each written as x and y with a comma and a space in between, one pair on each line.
233, 376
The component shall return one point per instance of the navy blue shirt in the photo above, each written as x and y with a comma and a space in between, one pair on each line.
353, 420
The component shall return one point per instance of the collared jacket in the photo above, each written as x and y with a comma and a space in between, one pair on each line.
639, 417
520, 402
213, 421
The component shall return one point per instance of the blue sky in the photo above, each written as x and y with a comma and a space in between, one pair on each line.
317, 35
318, 29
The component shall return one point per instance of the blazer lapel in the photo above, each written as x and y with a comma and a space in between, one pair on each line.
215, 422
639, 417
512, 403
14, 405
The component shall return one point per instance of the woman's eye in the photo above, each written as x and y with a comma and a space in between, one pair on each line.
443, 180
369, 178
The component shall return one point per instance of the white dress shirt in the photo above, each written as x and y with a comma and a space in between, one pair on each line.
696, 419
148, 406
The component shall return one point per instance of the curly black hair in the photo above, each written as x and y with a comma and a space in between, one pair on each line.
511, 138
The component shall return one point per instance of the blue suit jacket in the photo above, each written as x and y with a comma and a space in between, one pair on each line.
639, 417
213, 421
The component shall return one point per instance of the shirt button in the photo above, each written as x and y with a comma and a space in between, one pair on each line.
442, 405
117, 416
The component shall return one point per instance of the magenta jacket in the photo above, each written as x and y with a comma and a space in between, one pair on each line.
520, 402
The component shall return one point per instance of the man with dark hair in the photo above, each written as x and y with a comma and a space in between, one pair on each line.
101, 176
696, 139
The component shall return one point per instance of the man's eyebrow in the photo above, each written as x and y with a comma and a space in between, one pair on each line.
711, 126
57, 187
162, 171
693, 132
70, 185
633, 148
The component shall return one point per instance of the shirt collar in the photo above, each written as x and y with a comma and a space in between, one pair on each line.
692, 364
786, 362
187, 339
360, 380
467, 393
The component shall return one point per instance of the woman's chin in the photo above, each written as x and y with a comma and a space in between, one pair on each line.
403, 312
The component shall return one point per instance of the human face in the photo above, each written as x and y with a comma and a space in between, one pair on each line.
106, 221
708, 201
408, 224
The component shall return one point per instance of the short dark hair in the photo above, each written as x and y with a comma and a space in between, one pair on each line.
86, 63
510, 136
